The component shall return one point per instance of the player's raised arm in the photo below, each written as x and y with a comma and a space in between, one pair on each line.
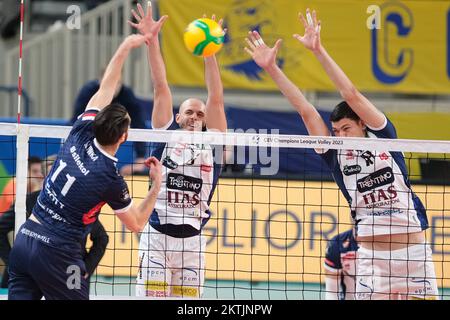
265, 57
162, 97
368, 113
215, 113
111, 77
137, 217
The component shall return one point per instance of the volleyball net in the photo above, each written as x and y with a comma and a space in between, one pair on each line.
274, 210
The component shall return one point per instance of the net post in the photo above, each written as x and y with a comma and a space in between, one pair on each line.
23, 138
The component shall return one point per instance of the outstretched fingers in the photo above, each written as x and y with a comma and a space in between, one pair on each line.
277, 45
136, 16
309, 18
248, 51
162, 19
314, 16
298, 37
149, 9
132, 24
250, 44
258, 38
141, 10
302, 20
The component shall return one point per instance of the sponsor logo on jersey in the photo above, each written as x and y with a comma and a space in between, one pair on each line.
52, 196
125, 195
169, 163
90, 151
367, 156
35, 235
377, 179
381, 198
183, 153
184, 183
388, 212
182, 200
350, 170
76, 157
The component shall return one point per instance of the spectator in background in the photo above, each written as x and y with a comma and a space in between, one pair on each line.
34, 183
91, 4
97, 232
7, 201
9, 18
124, 95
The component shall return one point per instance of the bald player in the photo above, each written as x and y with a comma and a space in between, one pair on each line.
172, 248
394, 260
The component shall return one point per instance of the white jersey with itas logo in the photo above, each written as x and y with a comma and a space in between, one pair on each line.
377, 188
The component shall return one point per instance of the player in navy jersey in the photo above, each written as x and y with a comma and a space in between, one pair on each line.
340, 267
172, 247
394, 259
46, 258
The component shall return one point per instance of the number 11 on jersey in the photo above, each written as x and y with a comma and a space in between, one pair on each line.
70, 179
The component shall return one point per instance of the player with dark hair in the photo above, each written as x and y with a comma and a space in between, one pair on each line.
46, 259
172, 247
95, 231
394, 259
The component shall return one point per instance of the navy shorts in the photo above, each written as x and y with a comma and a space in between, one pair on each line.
42, 264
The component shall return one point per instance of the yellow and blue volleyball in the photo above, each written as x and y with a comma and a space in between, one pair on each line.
204, 37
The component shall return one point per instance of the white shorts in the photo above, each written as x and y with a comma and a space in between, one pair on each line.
398, 274
170, 267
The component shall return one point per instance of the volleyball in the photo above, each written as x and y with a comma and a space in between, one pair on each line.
204, 37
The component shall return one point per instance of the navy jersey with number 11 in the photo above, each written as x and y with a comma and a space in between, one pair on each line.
83, 178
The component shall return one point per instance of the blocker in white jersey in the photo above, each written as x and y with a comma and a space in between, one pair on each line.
172, 247
189, 179
382, 203
377, 188
388, 215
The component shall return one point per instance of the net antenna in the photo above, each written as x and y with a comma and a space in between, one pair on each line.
19, 85
21, 142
